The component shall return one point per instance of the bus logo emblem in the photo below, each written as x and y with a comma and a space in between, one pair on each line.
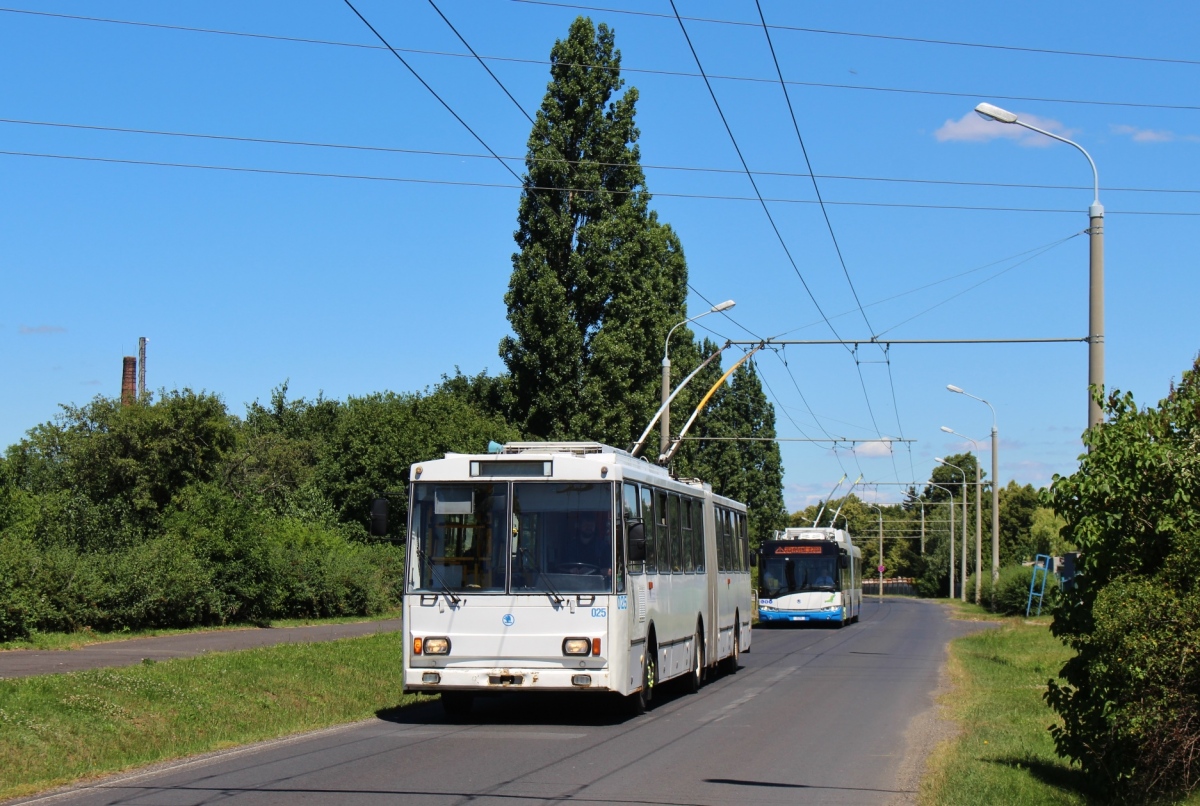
508, 619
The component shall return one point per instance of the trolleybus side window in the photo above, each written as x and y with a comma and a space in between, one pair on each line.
743, 543
698, 534
651, 531
727, 541
685, 525
676, 534
562, 537
632, 510
719, 529
619, 568
460, 532
660, 532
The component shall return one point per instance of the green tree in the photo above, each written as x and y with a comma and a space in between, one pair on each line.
597, 280
1018, 504
1130, 697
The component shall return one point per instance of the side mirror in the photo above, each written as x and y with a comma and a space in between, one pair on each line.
379, 517
843, 561
754, 559
636, 532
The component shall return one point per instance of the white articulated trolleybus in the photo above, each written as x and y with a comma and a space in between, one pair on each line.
569, 567
810, 574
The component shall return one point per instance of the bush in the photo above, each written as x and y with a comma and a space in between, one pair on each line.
159, 583
20, 607
1130, 697
1010, 596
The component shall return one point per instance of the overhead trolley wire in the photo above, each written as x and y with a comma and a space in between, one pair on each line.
643, 71
889, 37
597, 163
766, 210
829, 226
502, 186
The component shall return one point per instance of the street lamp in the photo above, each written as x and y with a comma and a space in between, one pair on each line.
978, 517
964, 522
1095, 261
950, 493
665, 424
880, 511
995, 483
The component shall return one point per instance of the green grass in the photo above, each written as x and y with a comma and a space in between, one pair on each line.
55, 729
74, 640
1003, 752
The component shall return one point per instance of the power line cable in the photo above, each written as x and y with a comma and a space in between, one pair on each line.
502, 186
828, 224
753, 184
644, 71
889, 37
596, 163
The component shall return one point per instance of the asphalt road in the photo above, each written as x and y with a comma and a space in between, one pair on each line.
813, 716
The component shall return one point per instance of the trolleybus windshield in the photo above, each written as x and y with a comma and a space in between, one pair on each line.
783, 574
562, 538
560, 541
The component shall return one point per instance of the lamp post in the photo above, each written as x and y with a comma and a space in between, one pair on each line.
1095, 261
950, 493
978, 517
665, 424
995, 483
964, 523
880, 511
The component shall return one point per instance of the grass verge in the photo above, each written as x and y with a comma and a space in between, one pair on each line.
74, 640
56, 729
1003, 752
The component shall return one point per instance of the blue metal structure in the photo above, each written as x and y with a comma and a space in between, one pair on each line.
1040, 563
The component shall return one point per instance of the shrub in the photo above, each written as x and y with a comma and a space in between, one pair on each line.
20, 606
1010, 595
159, 583
1130, 698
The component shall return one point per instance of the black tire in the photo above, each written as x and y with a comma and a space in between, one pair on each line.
457, 704
637, 702
696, 678
730, 664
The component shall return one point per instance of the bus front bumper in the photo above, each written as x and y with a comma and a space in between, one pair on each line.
769, 616
499, 679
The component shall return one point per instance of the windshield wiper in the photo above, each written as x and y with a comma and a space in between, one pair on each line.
553, 593
454, 598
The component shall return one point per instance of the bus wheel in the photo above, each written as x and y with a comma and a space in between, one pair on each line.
731, 663
639, 701
696, 678
457, 704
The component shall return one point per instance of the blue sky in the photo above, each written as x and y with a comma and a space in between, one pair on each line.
244, 279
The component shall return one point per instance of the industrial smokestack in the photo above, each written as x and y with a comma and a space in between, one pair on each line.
129, 380
141, 386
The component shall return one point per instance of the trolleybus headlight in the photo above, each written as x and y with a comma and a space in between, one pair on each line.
437, 646
576, 646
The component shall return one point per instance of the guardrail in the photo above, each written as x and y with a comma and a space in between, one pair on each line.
896, 586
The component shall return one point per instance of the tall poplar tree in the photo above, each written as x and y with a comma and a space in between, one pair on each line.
597, 280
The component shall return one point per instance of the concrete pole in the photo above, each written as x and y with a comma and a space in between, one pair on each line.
664, 441
1095, 309
995, 505
881, 556
965, 532
922, 527
951, 546
978, 535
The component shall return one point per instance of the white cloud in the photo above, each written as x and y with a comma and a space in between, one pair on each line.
971, 128
38, 330
1152, 135
872, 449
